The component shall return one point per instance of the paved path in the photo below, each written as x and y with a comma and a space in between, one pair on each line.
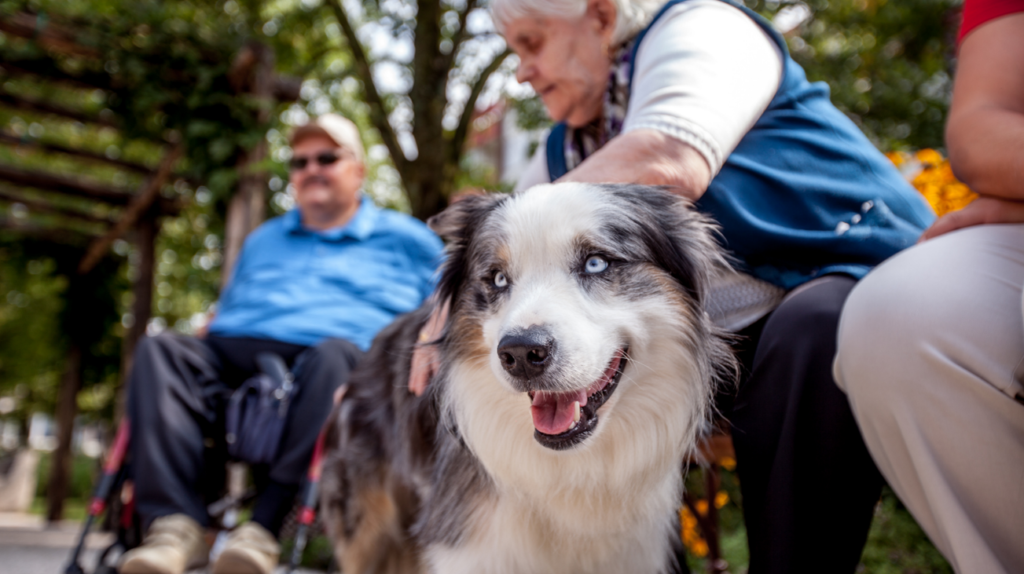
27, 546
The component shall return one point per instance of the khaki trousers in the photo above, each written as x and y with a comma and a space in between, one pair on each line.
931, 345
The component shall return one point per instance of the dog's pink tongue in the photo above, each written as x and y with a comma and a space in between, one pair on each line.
553, 412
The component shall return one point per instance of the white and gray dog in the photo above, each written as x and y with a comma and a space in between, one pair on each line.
577, 372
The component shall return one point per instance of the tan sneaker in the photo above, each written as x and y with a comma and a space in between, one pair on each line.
250, 549
173, 544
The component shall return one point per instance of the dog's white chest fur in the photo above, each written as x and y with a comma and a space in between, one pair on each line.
511, 537
605, 506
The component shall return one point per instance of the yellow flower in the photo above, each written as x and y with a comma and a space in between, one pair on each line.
689, 533
929, 156
936, 181
702, 507
897, 157
721, 499
728, 463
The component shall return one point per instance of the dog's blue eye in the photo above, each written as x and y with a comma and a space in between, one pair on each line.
595, 264
500, 281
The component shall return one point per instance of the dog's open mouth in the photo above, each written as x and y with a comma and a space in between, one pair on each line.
564, 419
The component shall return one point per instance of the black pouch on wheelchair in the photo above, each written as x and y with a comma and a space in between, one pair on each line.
256, 412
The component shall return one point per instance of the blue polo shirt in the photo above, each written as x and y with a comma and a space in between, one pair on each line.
301, 286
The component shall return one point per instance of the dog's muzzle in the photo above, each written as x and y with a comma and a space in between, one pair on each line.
563, 419
526, 354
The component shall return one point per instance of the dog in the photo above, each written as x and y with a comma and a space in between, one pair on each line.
577, 370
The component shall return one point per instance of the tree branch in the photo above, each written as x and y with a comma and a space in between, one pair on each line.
46, 68
458, 139
52, 36
47, 207
139, 204
11, 139
62, 235
68, 186
39, 106
378, 111
460, 34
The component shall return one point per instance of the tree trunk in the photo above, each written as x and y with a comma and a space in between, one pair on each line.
428, 193
24, 428
247, 208
67, 408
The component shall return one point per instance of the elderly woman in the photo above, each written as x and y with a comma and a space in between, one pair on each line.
702, 96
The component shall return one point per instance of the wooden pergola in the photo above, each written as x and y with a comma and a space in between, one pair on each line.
68, 208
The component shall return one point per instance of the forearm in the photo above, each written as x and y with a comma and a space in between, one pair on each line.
985, 133
649, 157
986, 150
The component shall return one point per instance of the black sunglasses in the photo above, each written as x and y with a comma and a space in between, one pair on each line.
323, 159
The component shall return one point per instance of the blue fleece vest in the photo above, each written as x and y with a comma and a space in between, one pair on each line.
804, 193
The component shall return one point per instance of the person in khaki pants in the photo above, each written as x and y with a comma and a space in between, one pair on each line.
931, 343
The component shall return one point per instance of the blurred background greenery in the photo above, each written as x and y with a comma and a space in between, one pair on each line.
121, 82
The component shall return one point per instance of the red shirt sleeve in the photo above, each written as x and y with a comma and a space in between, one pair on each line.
977, 12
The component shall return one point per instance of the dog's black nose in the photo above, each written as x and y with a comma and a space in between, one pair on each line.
525, 354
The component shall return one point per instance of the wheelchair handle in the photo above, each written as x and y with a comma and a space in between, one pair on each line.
274, 366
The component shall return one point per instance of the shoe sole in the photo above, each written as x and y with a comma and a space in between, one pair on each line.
231, 564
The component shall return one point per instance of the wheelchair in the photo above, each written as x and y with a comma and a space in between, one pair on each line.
113, 497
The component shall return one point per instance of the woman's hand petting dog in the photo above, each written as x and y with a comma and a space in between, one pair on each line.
425, 356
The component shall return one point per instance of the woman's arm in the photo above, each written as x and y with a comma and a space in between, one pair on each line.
985, 133
650, 157
704, 74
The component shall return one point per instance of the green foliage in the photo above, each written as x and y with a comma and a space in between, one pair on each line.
29, 316
35, 329
733, 534
897, 545
83, 472
317, 554
163, 67
188, 260
887, 62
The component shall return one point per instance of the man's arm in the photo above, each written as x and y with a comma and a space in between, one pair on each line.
985, 133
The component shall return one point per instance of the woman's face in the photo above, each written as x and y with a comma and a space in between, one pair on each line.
565, 61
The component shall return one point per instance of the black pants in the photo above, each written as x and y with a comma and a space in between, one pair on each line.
809, 485
176, 394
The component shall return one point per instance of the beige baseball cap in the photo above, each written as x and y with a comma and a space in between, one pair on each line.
340, 129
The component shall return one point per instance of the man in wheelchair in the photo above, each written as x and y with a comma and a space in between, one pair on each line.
313, 286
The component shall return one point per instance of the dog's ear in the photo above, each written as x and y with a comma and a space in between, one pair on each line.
457, 226
678, 238
452, 224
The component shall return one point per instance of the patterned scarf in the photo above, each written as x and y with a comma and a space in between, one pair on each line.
580, 143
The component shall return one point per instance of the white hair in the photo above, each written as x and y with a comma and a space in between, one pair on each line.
631, 15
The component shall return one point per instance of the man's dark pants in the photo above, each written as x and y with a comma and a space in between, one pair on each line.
809, 485
176, 394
